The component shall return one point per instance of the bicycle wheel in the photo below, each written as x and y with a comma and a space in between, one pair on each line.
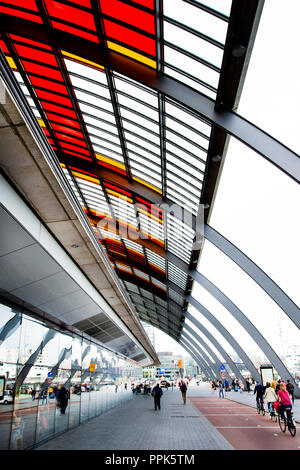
282, 423
292, 428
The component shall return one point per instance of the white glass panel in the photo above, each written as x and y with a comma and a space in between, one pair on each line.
258, 211
86, 98
142, 121
141, 132
185, 145
106, 153
191, 66
136, 91
90, 86
138, 107
196, 19
109, 145
261, 310
184, 172
189, 82
186, 157
222, 6
183, 187
186, 132
97, 113
270, 98
193, 44
142, 142
187, 118
86, 71
139, 151
101, 125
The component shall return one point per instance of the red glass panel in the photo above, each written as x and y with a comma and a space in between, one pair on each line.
62, 120
46, 95
84, 3
58, 109
30, 41
48, 84
61, 128
20, 14
127, 36
70, 14
75, 31
111, 167
39, 56
78, 155
3, 46
117, 189
42, 70
73, 147
146, 3
75, 141
129, 14
29, 4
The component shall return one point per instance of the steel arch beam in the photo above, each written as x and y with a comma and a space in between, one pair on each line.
246, 324
208, 372
218, 347
204, 365
255, 272
201, 350
231, 340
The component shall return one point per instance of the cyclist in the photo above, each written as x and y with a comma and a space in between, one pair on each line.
259, 391
270, 396
285, 402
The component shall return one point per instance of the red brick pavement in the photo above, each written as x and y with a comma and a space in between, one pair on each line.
243, 427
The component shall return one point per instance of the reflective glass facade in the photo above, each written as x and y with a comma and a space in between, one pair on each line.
36, 356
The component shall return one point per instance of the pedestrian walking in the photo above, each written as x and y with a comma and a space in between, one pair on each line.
33, 393
183, 389
62, 397
221, 389
157, 393
290, 389
45, 396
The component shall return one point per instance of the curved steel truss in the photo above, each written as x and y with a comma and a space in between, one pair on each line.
139, 139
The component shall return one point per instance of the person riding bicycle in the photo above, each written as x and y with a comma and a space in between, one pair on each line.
259, 390
270, 396
285, 401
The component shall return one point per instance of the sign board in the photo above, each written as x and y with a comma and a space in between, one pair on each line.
92, 367
161, 371
223, 374
267, 374
50, 374
222, 367
180, 364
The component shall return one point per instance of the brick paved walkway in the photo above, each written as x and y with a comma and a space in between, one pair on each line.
135, 425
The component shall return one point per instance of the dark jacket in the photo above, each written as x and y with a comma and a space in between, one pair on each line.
183, 388
157, 392
63, 395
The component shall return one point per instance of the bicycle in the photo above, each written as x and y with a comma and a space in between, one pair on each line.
260, 406
287, 422
272, 411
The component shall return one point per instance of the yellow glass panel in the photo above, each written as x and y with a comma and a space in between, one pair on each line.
151, 216
110, 161
41, 123
11, 62
147, 184
82, 60
125, 198
86, 177
132, 54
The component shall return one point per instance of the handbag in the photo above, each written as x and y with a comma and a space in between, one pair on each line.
276, 404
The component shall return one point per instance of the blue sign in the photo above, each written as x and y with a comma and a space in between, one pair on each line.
222, 367
162, 371
50, 374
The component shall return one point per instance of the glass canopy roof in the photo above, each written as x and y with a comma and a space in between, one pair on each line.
129, 151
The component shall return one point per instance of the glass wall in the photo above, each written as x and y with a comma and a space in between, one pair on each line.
35, 361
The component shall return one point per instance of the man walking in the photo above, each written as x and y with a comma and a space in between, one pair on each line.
183, 389
62, 398
157, 394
